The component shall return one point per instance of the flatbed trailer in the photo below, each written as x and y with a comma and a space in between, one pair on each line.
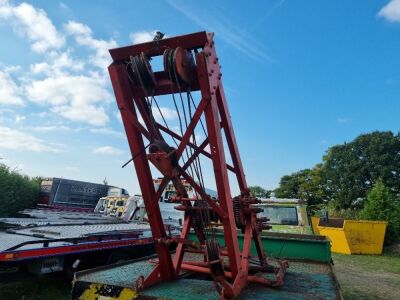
310, 275
51, 248
46, 216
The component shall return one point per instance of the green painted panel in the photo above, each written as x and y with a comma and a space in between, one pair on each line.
290, 246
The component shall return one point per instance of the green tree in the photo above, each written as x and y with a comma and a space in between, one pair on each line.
258, 191
381, 205
17, 191
289, 185
305, 184
351, 170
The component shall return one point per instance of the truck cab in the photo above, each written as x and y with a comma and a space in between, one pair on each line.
114, 203
117, 192
119, 206
286, 215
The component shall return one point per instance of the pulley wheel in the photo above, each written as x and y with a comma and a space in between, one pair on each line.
185, 66
180, 66
143, 73
237, 211
214, 260
169, 64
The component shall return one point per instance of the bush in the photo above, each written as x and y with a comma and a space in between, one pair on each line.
382, 205
348, 213
17, 191
335, 212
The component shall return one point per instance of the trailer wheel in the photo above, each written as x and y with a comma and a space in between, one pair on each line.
118, 256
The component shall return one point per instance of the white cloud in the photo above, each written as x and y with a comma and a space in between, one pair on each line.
118, 116
142, 36
18, 140
391, 11
105, 130
33, 24
83, 36
108, 150
50, 128
94, 115
6, 111
12, 69
78, 29
75, 89
19, 118
41, 114
15, 166
63, 89
168, 113
58, 64
9, 91
75, 97
207, 148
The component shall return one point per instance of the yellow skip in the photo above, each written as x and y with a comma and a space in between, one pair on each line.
352, 237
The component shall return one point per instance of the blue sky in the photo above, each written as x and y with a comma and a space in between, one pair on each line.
300, 76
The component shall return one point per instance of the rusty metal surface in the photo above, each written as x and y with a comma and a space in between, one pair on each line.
189, 41
304, 280
123, 275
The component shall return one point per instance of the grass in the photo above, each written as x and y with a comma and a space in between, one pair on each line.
368, 276
39, 288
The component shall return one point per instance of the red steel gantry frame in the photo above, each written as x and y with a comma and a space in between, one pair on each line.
131, 100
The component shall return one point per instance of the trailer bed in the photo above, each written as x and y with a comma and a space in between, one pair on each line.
41, 217
24, 238
303, 280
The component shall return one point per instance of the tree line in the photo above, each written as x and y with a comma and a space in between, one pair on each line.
17, 191
359, 179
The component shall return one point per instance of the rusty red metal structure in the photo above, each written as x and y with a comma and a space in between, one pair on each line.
190, 64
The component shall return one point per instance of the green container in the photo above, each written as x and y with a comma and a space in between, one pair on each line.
286, 245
